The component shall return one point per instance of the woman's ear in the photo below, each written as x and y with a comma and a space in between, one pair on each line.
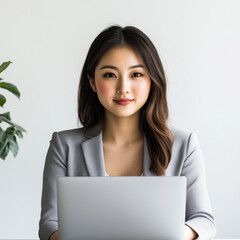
92, 83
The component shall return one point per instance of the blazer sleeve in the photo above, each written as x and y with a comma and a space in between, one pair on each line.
198, 209
55, 167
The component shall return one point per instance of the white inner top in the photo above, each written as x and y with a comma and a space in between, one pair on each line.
106, 175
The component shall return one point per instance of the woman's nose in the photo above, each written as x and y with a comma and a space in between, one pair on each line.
123, 86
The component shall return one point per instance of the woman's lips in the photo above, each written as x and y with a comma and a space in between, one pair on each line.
123, 101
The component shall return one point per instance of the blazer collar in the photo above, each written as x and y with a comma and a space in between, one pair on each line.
94, 156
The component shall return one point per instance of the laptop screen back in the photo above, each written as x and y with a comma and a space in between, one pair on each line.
114, 208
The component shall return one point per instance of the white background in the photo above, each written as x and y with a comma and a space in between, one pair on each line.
47, 41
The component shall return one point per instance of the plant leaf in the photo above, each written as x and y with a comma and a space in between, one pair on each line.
18, 133
10, 131
13, 146
4, 147
4, 66
17, 127
2, 135
8, 142
4, 152
5, 117
11, 88
2, 100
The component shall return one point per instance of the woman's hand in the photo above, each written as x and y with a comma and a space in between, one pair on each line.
189, 233
54, 236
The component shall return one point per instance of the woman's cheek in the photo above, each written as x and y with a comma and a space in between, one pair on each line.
104, 88
142, 87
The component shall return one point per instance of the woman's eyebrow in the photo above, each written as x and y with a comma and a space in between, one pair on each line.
115, 68
108, 66
137, 66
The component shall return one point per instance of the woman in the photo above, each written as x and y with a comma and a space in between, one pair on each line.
122, 106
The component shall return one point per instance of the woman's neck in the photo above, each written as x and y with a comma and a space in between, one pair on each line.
122, 130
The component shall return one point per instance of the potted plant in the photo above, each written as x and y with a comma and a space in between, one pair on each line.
8, 137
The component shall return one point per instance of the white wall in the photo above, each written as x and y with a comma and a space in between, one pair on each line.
47, 41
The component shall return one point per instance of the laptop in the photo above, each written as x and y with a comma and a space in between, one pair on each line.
121, 208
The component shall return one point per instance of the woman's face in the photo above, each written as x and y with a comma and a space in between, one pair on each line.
121, 82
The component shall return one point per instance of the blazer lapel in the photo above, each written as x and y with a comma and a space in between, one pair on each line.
94, 157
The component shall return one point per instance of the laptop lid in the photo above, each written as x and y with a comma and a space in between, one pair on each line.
114, 208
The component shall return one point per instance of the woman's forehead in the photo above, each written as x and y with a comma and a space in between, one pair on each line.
121, 56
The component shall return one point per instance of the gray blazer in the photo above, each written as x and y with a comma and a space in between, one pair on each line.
75, 153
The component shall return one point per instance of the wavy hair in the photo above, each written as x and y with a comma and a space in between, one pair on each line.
154, 113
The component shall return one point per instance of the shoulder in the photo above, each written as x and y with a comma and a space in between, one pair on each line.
75, 136
179, 134
182, 135
70, 134
185, 144
184, 141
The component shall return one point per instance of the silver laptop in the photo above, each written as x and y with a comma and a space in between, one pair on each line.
121, 208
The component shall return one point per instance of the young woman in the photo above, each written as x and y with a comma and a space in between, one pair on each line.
122, 106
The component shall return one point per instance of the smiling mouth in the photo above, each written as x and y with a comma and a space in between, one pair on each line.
123, 101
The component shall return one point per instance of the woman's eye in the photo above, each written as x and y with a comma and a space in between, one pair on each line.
137, 74
109, 75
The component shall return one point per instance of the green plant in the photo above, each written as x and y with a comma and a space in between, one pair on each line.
8, 140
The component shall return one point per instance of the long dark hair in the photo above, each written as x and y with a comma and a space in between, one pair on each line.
154, 114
